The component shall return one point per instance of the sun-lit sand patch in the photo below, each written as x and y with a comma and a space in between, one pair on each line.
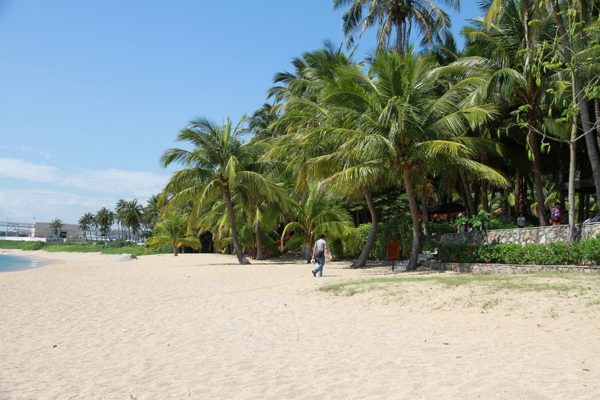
200, 326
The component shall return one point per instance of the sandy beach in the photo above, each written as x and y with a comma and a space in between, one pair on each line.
200, 326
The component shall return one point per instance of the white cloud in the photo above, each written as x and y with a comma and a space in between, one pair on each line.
19, 169
80, 192
43, 153
46, 205
117, 182
112, 181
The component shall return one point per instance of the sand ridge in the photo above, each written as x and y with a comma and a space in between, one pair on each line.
201, 326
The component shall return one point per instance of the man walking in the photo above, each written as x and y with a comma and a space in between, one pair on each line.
319, 255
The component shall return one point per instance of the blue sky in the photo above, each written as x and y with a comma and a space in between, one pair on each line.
92, 92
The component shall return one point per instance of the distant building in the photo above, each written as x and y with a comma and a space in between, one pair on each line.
41, 231
67, 231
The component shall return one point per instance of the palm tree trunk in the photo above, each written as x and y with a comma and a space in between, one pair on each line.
484, 196
309, 245
468, 195
572, 167
414, 213
537, 173
234, 237
259, 250
364, 254
400, 39
562, 174
517, 193
424, 211
597, 112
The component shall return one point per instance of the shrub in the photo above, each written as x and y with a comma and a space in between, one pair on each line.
434, 228
353, 245
115, 244
135, 250
33, 245
558, 253
461, 253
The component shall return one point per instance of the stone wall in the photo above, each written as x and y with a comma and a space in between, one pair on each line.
485, 268
523, 236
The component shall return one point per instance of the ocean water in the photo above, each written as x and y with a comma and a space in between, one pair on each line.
9, 263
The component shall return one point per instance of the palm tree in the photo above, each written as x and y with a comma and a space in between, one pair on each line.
395, 18
315, 215
261, 211
512, 38
173, 230
56, 225
312, 69
261, 122
397, 123
119, 207
151, 213
104, 220
215, 168
86, 222
580, 100
131, 215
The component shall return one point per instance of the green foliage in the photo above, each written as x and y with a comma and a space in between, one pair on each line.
397, 225
396, 228
172, 230
28, 246
351, 248
481, 220
501, 223
164, 249
434, 228
135, 250
463, 253
118, 243
560, 253
113, 247
11, 244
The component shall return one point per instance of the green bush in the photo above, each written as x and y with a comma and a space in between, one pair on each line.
590, 251
560, 253
33, 246
434, 228
354, 245
118, 243
395, 228
135, 250
461, 253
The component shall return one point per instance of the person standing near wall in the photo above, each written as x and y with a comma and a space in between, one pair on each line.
521, 221
556, 214
318, 255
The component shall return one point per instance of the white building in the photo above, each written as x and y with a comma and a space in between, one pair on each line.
41, 231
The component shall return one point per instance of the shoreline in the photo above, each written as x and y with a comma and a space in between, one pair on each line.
35, 262
202, 326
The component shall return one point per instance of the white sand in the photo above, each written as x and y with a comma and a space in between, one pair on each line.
200, 326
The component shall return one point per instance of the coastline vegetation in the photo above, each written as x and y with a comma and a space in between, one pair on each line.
359, 149
111, 247
585, 252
